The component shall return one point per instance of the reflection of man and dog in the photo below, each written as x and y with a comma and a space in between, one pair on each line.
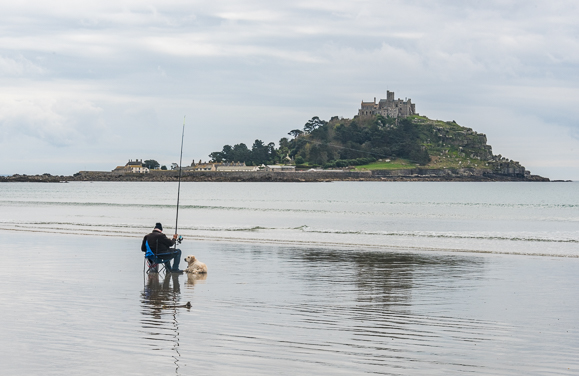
158, 251
158, 255
162, 293
160, 309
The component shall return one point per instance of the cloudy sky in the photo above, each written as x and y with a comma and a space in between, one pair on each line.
88, 85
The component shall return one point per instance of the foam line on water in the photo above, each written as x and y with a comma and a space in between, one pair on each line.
308, 243
304, 228
158, 206
361, 202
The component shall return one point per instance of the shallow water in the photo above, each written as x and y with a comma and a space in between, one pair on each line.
80, 304
515, 218
414, 297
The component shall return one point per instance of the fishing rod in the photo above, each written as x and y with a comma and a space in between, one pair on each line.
179, 186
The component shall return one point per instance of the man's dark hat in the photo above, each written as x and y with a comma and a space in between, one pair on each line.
159, 226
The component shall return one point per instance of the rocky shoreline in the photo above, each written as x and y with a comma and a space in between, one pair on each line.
417, 174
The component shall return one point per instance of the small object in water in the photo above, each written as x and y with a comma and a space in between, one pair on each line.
186, 305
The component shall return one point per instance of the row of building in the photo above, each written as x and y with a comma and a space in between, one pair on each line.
137, 167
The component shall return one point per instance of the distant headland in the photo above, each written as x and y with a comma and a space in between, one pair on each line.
386, 141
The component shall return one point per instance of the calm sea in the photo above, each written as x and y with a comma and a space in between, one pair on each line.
304, 278
513, 218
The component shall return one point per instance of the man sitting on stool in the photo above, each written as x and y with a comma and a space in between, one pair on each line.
161, 247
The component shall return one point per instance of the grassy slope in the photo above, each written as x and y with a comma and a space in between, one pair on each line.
449, 145
396, 164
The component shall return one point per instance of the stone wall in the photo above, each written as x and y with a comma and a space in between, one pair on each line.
458, 172
225, 176
508, 173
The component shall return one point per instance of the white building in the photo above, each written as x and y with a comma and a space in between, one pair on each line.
280, 168
135, 166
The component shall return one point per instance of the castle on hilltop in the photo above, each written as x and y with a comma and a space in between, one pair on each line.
388, 107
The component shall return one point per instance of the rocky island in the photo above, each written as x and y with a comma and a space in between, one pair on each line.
387, 141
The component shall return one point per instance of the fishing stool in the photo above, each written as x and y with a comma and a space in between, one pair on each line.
154, 263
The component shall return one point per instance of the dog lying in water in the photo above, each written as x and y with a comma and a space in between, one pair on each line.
195, 266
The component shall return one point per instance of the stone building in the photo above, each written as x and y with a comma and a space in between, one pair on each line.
201, 166
236, 166
280, 168
388, 107
215, 166
135, 166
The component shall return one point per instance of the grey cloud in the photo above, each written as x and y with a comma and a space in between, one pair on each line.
58, 122
18, 66
233, 66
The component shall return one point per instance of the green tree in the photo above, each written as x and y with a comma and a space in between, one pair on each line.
151, 164
338, 142
313, 124
283, 151
216, 156
283, 143
239, 153
227, 153
259, 153
295, 133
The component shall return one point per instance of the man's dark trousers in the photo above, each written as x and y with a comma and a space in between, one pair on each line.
176, 255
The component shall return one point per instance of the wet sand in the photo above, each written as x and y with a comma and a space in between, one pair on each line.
75, 304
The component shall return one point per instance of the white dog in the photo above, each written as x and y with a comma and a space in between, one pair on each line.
194, 279
195, 266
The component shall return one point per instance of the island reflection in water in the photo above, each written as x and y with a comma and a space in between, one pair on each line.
319, 310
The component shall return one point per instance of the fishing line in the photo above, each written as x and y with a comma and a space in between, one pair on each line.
179, 186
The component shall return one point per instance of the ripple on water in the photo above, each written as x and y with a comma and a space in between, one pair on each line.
346, 294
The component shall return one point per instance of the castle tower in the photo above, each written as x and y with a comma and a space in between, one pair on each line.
388, 107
